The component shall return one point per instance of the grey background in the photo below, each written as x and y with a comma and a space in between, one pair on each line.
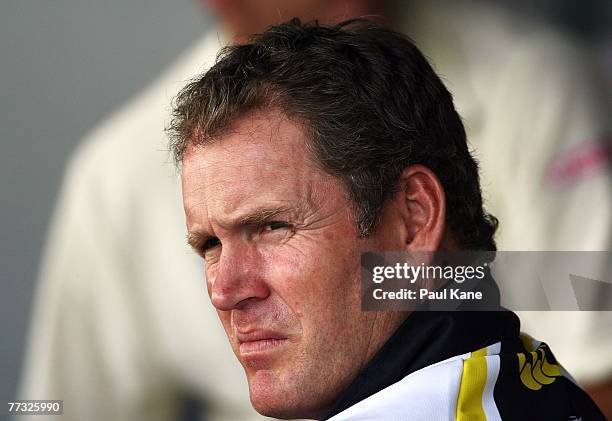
64, 65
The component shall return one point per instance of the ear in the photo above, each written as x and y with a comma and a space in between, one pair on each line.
421, 203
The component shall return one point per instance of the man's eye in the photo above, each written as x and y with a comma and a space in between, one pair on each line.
211, 243
274, 225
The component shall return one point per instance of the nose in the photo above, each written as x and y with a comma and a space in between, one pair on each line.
238, 278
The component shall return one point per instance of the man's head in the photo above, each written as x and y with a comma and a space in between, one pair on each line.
300, 151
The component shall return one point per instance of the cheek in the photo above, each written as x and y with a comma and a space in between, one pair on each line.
286, 272
315, 279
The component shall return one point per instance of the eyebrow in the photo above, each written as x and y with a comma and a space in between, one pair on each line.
258, 216
196, 239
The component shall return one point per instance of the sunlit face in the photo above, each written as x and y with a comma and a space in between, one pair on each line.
282, 264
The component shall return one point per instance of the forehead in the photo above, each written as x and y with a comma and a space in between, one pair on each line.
262, 160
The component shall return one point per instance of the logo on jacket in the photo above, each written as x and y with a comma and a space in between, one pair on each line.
536, 369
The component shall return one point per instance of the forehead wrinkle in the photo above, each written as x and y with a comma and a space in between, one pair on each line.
222, 194
229, 178
264, 125
303, 198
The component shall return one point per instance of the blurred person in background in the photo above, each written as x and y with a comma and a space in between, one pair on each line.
121, 327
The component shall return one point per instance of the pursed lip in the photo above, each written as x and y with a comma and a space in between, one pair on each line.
259, 340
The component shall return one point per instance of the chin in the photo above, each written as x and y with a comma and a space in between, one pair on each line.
273, 398
285, 412
269, 395
270, 406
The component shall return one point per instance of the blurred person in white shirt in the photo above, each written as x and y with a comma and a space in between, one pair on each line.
122, 328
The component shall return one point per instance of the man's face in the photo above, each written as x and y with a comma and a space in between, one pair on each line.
282, 264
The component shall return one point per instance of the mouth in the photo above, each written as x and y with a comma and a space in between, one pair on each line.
259, 341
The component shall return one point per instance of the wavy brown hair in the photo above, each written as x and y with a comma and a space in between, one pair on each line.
370, 102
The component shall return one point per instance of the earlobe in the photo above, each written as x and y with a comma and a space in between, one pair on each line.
422, 199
